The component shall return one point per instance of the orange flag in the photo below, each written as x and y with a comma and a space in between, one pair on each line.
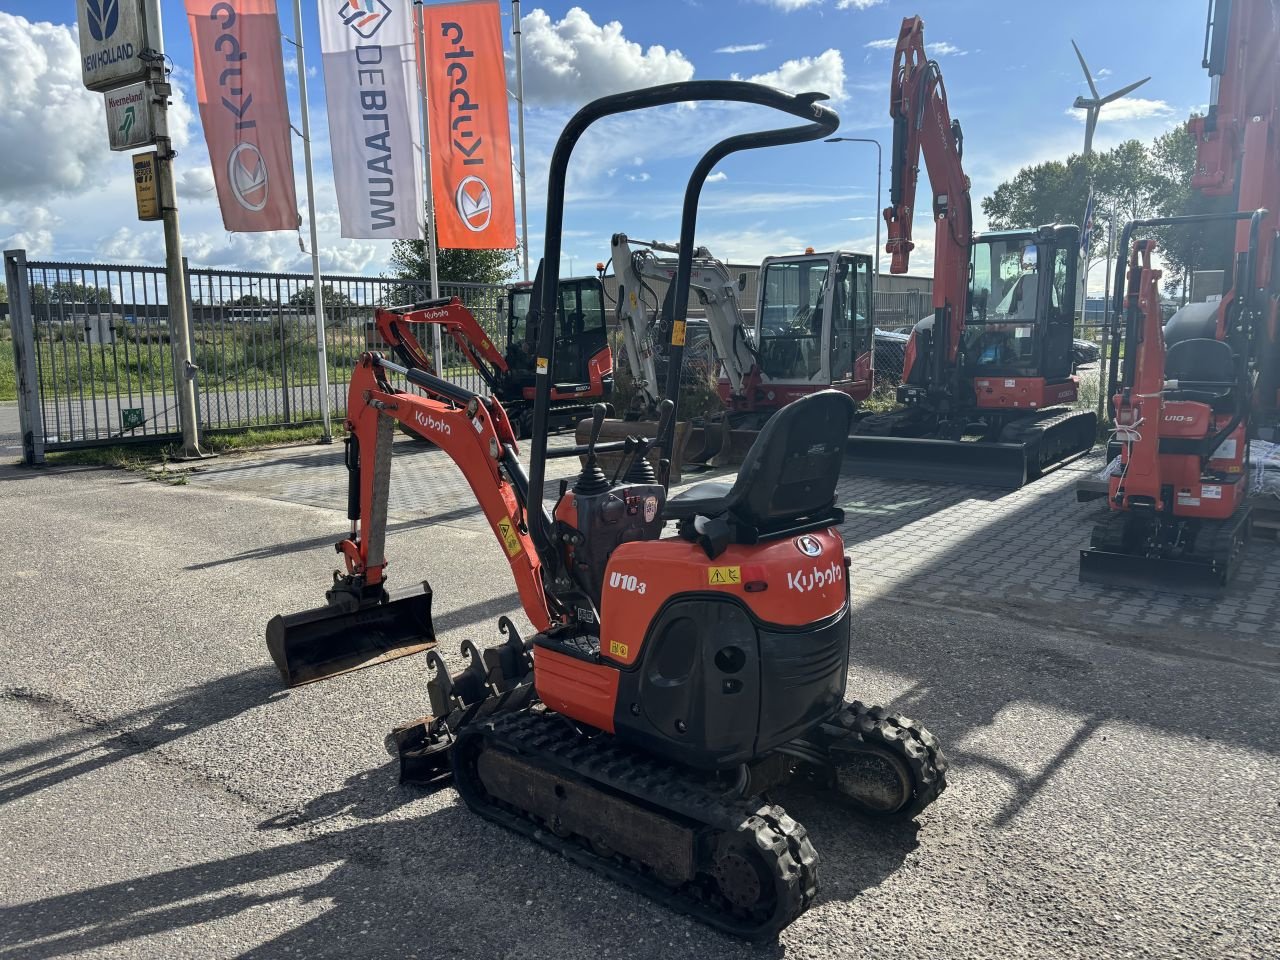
240, 87
470, 126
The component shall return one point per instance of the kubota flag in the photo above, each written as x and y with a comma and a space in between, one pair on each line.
375, 126
470, 126
240, 87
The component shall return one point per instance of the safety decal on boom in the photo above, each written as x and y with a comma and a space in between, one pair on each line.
724, 575
677, 334
510, 540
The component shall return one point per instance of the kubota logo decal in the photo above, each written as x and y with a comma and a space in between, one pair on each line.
365, 17
803, 581
247, 172
809, 546
431, 423
475, 204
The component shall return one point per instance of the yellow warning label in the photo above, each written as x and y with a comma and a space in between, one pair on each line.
617, 649
724, 575
633, 301
677, 334
543, 366
510, 539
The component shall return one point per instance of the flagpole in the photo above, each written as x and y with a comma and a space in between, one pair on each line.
1106, 316
420, 20
322, 356
524, 207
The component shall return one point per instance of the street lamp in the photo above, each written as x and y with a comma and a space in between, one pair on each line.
879, 155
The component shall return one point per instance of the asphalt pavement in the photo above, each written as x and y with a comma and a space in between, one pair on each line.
163, 797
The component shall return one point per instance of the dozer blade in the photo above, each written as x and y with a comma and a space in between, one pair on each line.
331, 640
1001, 465
1186, 577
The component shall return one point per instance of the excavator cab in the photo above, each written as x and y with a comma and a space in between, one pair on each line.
1019, 312
814, 326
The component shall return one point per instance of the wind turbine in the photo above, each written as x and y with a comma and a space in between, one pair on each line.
1092, 106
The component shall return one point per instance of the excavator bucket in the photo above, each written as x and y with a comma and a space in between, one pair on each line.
335, 639
715, 443
1002, 465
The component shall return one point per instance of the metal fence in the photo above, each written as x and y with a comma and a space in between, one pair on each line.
93, 346
94, 362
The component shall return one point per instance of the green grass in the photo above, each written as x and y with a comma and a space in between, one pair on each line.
153, 458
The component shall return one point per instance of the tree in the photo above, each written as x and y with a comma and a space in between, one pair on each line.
4, 293
306, 297
67, 291
250, 300
409, 261
1186, 249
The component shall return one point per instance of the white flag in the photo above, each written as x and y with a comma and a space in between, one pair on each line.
375, 129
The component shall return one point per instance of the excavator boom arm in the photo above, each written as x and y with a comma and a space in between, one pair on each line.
476, 435
922, 124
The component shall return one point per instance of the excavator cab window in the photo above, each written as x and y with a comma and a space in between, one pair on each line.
792, 318
1003, 328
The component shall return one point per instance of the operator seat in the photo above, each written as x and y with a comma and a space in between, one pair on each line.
787, 479
1207, 366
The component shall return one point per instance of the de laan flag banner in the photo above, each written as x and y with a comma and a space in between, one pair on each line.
470, 126
240, 87
375, 130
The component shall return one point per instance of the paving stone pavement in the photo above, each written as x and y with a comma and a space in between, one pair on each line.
1009, 554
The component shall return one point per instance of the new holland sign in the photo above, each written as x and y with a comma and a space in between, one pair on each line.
129, 117
112, 35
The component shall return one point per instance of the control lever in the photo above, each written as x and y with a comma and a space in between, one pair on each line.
598, 413
592, 479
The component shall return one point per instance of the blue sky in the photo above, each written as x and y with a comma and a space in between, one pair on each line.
1010, 72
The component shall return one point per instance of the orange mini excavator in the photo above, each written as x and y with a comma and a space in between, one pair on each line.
673, 682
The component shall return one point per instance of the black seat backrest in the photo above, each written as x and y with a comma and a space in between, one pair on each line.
791, 470
1200, 360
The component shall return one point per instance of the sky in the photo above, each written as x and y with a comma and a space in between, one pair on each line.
1009, 69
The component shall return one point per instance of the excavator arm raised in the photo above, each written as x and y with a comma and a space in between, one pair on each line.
922, 124
394, 326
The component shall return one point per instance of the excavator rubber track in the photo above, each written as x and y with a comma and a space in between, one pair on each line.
1113, 560
1027, 447
683, 838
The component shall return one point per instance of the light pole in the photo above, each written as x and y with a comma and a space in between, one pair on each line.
879, 157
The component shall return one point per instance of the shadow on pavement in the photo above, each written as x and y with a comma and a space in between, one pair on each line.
410, 887
129, 735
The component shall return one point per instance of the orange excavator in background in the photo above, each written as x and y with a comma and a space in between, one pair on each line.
584, 362
987, 380
1190, 394
673, 683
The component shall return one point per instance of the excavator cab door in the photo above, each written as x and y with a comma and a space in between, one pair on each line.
580, 331
1058, 309
852, 322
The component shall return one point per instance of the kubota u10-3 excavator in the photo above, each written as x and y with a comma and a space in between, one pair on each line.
1189, 395
994, 363
672, 682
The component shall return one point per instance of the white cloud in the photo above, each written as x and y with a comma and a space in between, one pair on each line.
887, 44
944, 49
32, 230
641, 177
1129, 108
196, 183
718, 177
1104, 72
55, 129
574, 60
824, 73
742, 48
788, 6
858, 4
